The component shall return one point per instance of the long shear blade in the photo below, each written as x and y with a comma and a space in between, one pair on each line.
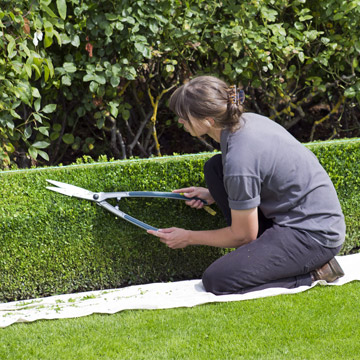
70, 190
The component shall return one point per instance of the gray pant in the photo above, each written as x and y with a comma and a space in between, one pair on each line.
279, 257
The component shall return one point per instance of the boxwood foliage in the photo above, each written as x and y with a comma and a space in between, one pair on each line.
51, 243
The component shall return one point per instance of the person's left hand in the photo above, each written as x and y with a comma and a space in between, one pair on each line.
174, 238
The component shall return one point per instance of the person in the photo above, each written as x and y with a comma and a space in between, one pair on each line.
283, 215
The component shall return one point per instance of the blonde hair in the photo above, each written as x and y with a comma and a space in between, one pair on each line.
207, 97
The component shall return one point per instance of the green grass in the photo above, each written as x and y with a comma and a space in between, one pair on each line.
322, 323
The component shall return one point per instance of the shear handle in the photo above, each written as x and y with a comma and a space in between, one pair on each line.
153, 194
125, 216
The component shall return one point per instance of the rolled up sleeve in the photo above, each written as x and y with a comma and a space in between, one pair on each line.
243, 191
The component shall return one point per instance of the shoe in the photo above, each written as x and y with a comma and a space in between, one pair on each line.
329, 272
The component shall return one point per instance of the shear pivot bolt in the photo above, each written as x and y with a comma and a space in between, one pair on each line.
95, 196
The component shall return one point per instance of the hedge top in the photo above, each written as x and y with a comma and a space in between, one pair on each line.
165, 158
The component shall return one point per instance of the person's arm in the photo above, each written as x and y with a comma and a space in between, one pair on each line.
244, 229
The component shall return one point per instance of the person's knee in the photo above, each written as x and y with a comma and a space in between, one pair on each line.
213, 281
227, 275
207, 280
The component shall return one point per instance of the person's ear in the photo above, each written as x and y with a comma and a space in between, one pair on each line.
210, 121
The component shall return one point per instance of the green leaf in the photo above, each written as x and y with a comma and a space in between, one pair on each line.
305, 17
130, 73
37, 104
125, 114
100, 123
130, 20
50, 66
61, 6
143, 49
58, 37
50, 108
33, 152
41, 144
65, 39
357, 46
338, 16
100, 79
119, 26
81, 111
89, 140
46, 73
237, 46
43, 154
24, 47
75, 41
47, 10
111, 17
114, 81
75, 146
89, 77
170, 68
66, 80
10, 48
108, 31
114, 111
37, 117
98, 115
48, 27
68, 139
350, 92
69, 67
57, 127
15, 104
35, 92
48, 39
227, 69
54, 136
154, 27
24, 92
312, 34
10, 124
27, 132
28, 70
44, 130
355, 63
268, 14
37, 71
93, 86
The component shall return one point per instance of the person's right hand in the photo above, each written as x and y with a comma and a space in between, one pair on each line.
199, 192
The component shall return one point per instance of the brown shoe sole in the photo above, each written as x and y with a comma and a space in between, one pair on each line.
329, 272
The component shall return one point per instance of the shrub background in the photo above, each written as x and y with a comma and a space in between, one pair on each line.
93, 77
51, 243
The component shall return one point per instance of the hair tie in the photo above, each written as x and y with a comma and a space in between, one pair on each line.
236, 96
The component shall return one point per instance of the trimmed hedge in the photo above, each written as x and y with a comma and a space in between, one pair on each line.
51, 243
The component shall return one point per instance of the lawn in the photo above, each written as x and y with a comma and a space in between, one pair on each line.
322, 323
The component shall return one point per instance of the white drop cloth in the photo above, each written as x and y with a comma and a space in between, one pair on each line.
150, 296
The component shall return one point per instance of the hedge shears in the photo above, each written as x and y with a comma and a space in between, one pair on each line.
101, 197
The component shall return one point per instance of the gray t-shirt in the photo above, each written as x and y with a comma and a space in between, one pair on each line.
266, 167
